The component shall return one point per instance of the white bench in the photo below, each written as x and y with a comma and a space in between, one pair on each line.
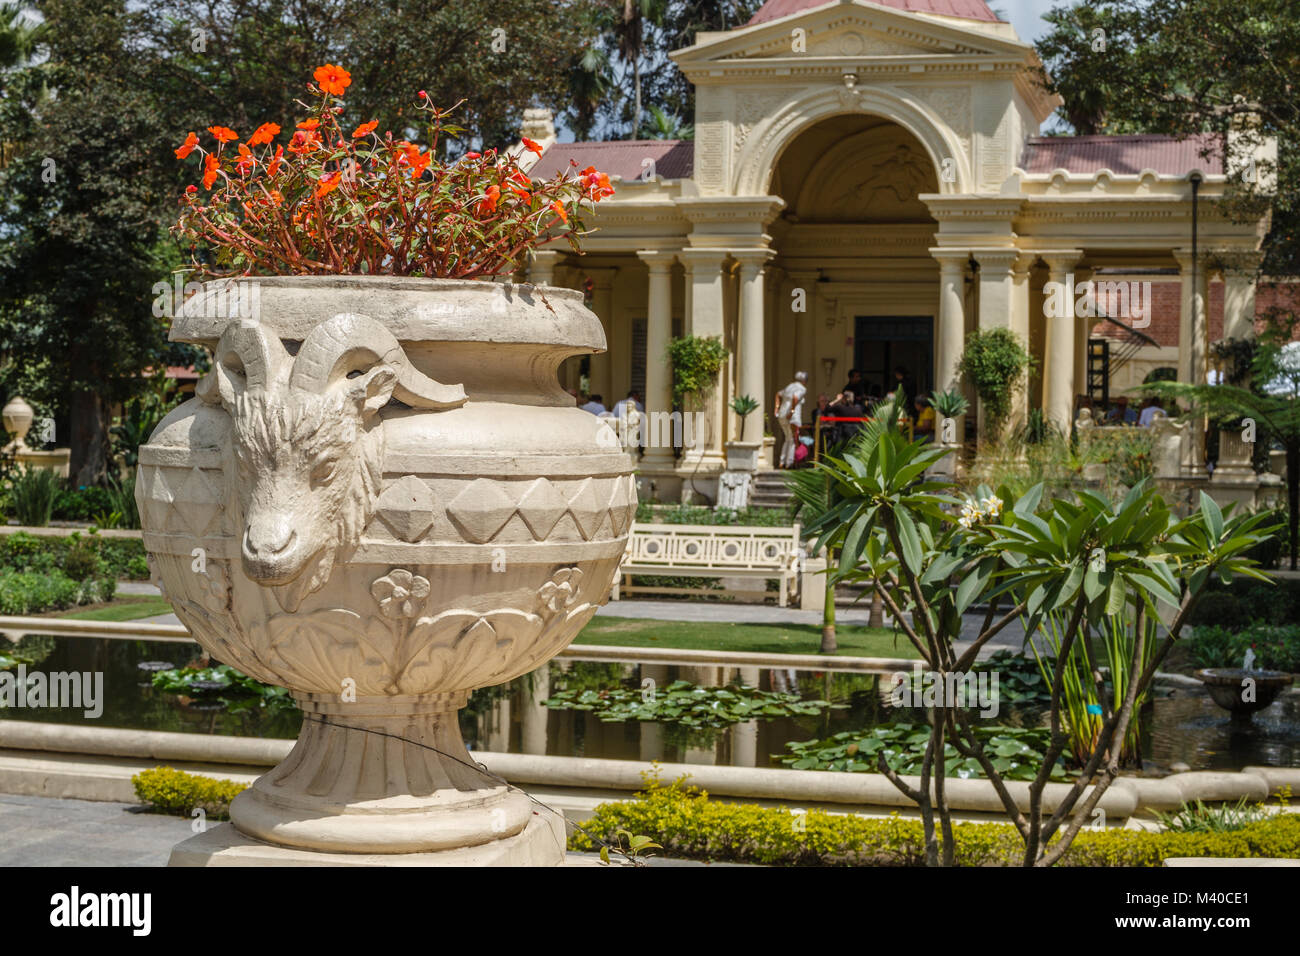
710, 551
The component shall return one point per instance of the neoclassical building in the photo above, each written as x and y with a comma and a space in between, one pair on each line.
867, 186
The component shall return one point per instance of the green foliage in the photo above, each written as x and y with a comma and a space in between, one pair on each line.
118, 557
1244, 602
689, 824
176, 792
140, 416
237, 692
32, 493
25, 592
648, 513
1021, 686
1017, 752
696, 362
1199, 817
82, 504
686, 705
949, 404
81, 559
993, 362
742, 405
1276, 646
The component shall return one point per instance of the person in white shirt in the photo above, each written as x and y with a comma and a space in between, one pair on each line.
632, 399
788, 408
595, 406
1151, 410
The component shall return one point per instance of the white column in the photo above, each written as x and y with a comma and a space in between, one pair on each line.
1191, 341
541, 266
1192, 318
1058, 343
602, 303
752, 363
658, 372
705, 319
952, 316
1239, 299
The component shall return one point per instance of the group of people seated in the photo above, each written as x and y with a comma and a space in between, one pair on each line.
595, 404
1121, 411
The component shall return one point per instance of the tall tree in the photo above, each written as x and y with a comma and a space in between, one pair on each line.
1191, 66
633, 29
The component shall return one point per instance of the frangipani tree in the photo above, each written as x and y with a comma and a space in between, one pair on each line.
933, 556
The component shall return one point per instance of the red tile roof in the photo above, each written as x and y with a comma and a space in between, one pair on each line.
1124, 155
673, 158
967, 9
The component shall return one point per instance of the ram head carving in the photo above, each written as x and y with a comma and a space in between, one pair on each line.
308, 440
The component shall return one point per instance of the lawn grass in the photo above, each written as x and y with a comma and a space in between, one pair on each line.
756, 638
131, 608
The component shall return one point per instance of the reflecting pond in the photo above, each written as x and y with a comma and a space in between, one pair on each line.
1186, 726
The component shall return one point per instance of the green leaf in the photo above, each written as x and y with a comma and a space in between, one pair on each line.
908, 539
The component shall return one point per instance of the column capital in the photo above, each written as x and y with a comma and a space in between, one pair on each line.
950, 258
1238, 263
702, 259
997, 260
1060, 260
1184, 259
545, 255
658, 260
752, 261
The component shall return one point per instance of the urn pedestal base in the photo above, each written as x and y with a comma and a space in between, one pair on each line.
388, 775
541, 843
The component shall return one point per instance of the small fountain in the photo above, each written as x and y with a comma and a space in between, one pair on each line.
1243, 690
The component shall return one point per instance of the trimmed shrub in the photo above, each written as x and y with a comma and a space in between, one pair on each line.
687, 823
23, 592
1276, 647
118, 557
168, 790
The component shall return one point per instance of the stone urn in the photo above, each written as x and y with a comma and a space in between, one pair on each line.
381, 498
17, 417
1229, 688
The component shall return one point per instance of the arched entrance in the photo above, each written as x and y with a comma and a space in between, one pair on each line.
855, 238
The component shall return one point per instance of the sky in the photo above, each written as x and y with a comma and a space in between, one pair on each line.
1025, 16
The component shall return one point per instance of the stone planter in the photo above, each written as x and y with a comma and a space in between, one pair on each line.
382, 499
1227, 686
17, 417
743, 455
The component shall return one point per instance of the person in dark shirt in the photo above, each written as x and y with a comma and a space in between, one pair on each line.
854, 384
903, 379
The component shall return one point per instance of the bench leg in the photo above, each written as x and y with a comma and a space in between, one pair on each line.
784, 590
618, 579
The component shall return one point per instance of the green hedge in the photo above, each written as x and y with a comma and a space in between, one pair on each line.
1276, 647
117, 557
174, 791
687, 823
1244, 602
26, 592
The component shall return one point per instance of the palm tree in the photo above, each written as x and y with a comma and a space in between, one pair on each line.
631, 33
661, 125
19, 37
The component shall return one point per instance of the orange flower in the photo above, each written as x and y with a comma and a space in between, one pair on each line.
187, 147
559, 211
332, 79
489, 201
210, 167
265, 133
518, 190
531, 146
246, 161
273, 166
303, 142
365, 129
309, 124
328, 183
419, 162
224, 134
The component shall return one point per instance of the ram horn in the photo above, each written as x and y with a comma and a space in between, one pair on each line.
348, 343
246, 357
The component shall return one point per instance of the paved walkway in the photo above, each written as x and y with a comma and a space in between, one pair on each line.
45, 831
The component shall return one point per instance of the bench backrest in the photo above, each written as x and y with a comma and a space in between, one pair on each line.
713, 546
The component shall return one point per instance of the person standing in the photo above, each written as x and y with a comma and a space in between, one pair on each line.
788, 408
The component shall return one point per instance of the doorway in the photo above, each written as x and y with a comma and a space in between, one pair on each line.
881, 343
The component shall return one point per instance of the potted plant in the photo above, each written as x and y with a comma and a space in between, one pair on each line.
380, 497
948, 407
743, 455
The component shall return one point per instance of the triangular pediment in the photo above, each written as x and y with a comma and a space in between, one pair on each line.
853, 29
